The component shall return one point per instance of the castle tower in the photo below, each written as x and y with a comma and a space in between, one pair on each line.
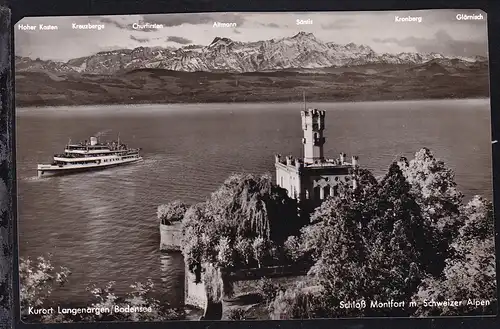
313, 125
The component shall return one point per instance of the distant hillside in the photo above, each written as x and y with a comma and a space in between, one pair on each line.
438, 78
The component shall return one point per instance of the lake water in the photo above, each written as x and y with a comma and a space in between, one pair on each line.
103, 225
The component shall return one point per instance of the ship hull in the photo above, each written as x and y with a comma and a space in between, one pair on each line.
55, 170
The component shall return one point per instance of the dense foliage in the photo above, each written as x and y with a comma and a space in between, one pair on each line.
469, 274
405, 237
39, 278
243, 224
171, 212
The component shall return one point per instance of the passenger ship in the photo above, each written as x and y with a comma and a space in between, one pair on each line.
90, 155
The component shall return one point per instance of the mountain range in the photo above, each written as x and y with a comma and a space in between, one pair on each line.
301, 51
265, 71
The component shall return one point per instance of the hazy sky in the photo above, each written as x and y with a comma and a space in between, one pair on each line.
439, 31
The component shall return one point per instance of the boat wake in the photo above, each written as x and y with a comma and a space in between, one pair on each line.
33, 179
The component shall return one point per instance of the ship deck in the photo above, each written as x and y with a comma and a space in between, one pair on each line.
42, 168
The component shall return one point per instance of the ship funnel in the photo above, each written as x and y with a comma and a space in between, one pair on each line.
93, 140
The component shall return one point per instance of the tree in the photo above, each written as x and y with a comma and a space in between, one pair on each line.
293, 249
469, 273
259, 250
193, 239
387, 240
399, 253
369, 243
38, 279
337, 243
171, 212
225, 257
245, 213
435, 190
245, 251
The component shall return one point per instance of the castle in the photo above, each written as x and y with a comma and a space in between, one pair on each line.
313, 178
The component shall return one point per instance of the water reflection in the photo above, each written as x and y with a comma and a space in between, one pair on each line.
172, 277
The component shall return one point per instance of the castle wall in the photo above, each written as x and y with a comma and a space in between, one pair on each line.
170, 237
195, 294
288, 178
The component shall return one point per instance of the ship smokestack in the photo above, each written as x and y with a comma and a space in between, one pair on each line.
93, 140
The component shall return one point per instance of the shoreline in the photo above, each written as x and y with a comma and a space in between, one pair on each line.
133, 104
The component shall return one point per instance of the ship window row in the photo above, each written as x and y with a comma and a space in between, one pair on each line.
77, 155
88, 147
111, 160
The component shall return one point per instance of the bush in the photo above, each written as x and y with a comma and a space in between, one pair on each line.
267, 289
171, 212
236, 314
295, 303
39, 278
293, 249
141, 295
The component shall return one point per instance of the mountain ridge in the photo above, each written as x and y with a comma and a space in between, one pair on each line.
300, 51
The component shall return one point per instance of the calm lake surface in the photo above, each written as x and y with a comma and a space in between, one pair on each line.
103, 225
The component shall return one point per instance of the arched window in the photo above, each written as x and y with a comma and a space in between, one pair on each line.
335, 190
326, 191
317, 193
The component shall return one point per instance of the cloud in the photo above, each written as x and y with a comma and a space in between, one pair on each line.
441, 43
180, 40
107, 20
272, 25
339, 24
194, 18
140, 40
128, 26
236, 31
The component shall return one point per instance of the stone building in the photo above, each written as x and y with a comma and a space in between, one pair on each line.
314, 177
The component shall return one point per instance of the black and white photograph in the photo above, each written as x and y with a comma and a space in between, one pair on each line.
254, 166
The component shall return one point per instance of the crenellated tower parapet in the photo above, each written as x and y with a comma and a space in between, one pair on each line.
288, 161
313, 126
